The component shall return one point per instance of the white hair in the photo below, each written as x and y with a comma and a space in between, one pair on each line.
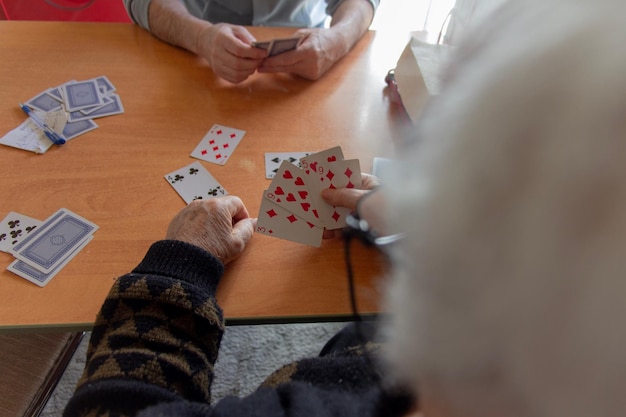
508, 292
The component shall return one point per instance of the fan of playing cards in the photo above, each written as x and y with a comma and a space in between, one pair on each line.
292, 207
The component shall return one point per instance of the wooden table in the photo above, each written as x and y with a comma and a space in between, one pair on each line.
114, 175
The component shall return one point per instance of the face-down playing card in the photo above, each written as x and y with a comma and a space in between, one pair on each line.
194, 182
218, 144
276, 221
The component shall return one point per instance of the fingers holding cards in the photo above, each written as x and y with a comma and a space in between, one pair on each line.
296, 188
280, 45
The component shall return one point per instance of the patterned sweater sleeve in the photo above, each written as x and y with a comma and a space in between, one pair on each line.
156, 336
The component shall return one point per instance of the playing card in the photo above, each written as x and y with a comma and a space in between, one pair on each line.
81, 94
73, 129
340, 174
37, 277
194, 182
290, 191
54, 240
218, 144
329, 155
104, 84
280, 45
262, 45
274, 220
14, 228
112, 105
274, 159
44, 102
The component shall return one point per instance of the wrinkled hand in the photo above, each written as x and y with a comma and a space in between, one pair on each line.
348, 197
229, 52
315, 55
221, 226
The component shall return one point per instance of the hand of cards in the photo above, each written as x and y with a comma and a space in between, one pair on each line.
292, 207
43, 248
69, 109
280, 45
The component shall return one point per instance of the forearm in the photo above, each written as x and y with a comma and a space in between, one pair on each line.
349, 22
157, 335
171, 22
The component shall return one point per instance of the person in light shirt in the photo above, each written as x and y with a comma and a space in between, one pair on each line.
215, 30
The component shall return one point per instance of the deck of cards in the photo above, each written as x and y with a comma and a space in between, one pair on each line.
42, 249
292, 207
280, 45
69, 109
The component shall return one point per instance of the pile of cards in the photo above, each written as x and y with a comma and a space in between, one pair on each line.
279, 45
69, 109
42, 249
292, 207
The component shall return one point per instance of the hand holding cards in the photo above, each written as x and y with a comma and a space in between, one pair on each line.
292, 207
280, 45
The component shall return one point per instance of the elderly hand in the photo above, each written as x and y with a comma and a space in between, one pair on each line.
348, 197
229, 52
315, 55
221, 226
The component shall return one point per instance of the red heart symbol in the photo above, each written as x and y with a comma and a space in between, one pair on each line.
332, 158
303, 194
290, 197
314, 166
287, 175
279, 191
306, 206
299, 181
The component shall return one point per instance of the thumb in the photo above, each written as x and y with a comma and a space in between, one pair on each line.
343, 197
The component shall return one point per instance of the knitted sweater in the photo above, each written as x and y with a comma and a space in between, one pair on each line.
156, 339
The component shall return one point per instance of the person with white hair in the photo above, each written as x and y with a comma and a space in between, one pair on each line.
508, 287
505, 226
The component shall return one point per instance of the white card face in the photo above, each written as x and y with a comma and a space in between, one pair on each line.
290, 191
340, 174
274, 159
329, 155
54, 240
14, 228
194, 182
273, 220
218, 144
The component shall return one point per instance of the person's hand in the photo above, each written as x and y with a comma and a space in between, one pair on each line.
229, 51
221, 226
348, 197
311, 59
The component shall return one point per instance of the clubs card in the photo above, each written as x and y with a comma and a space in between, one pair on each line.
194, 182
81, 94
37, 277
218, 144
54, 240
274, 220
274, 159
14, 228
281, 45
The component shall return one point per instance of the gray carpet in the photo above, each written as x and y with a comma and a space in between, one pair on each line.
248, 354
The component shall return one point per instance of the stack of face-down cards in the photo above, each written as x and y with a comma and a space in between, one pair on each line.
292, 207
42, 249
69, 109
